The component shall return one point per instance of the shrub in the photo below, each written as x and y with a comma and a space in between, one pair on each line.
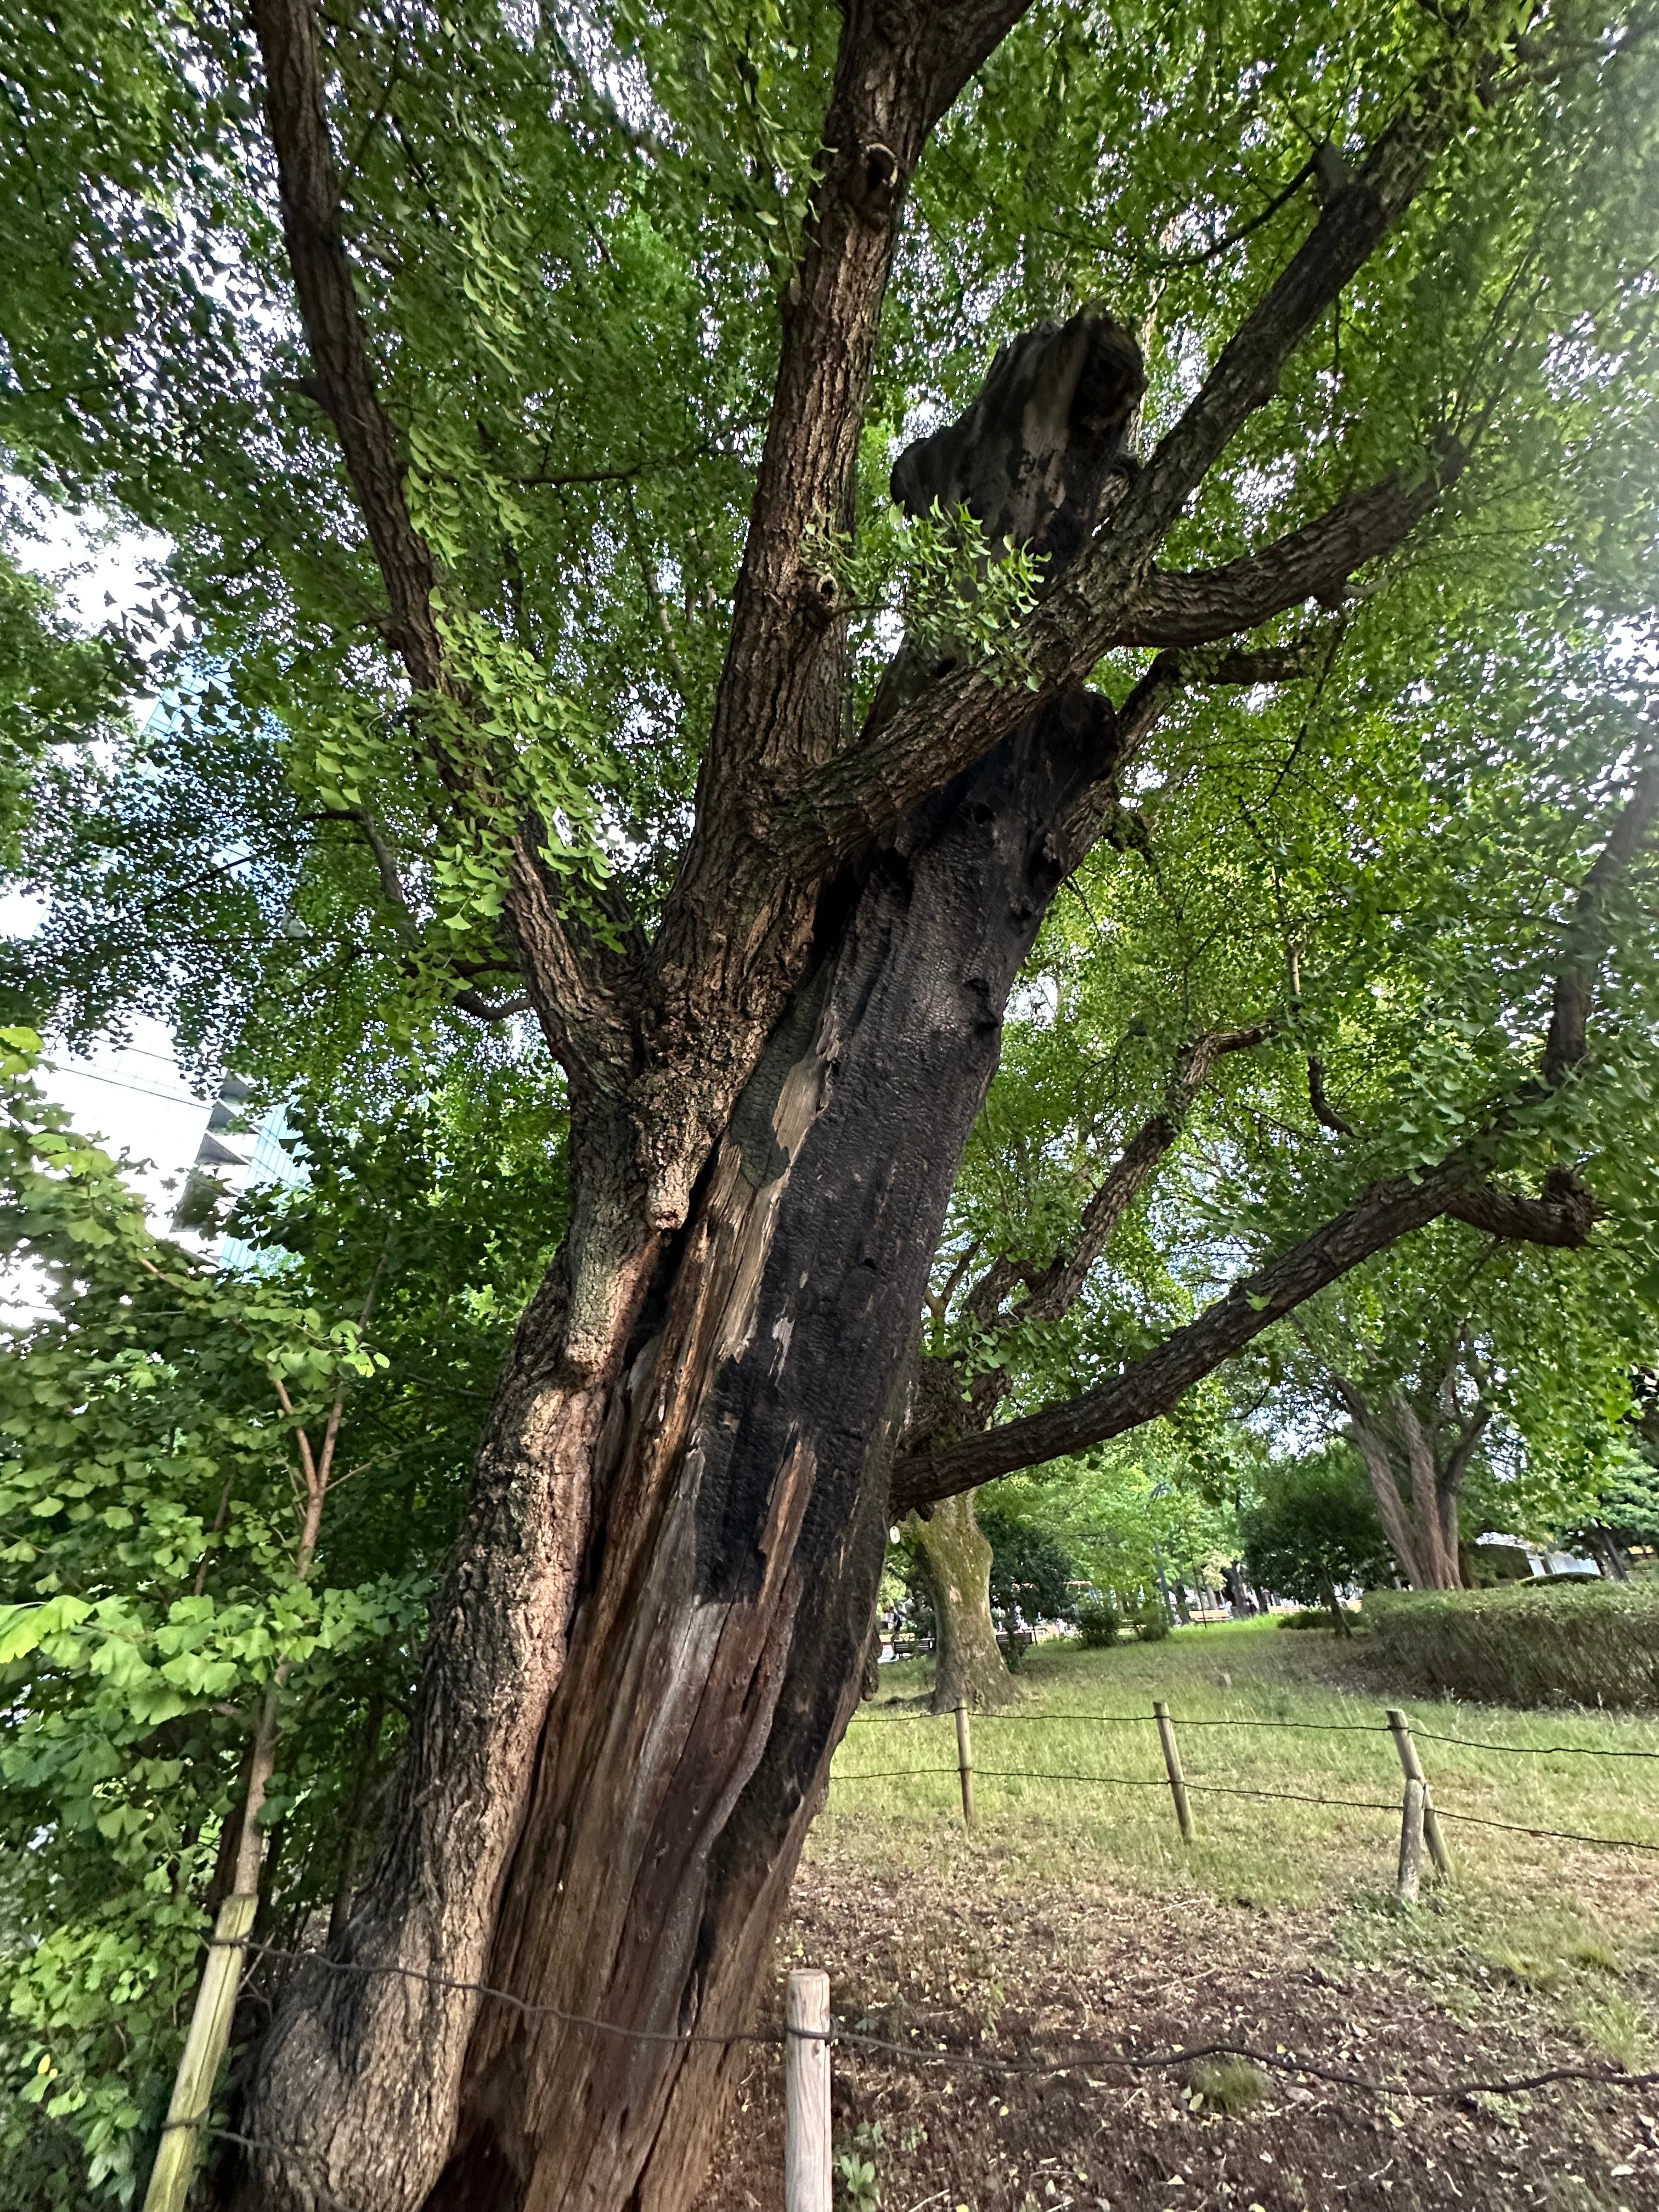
1097, 1623
1152, 1622
1520, 1644
1315, 1528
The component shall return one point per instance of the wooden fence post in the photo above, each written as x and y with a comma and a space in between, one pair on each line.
204, 2047
1411, 1844
807, 2174
1412, 1767
1172, 1768
965, 1764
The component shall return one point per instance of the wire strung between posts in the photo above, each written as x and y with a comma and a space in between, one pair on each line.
1295, 1796
1286, 2062
1137, 1720
898, 1774
1562, 1835
520, 2005
1237, 1789
1532, 1750
980, 2062
1112, 1781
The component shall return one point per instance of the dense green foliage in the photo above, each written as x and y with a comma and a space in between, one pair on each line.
1584, 1642
1314, 1529
148, 1594
573, 235
1031, 1576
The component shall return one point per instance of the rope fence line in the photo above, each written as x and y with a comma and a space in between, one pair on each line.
1540, 1750
807, 2085
1421, 1820
1327, 1728
1562, 1835
1237, 1789
801, 2119
1135, 1720
1096, 2059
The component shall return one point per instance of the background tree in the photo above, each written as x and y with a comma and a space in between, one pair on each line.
1032, 1577
1314, 1528
1028, 1577
506, 398
1481, 1388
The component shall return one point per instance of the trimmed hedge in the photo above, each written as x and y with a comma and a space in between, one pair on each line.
1519, 1643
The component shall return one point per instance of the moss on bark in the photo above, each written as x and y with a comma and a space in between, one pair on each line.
968, 1666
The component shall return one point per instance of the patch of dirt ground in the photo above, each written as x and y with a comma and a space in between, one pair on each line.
966, 1961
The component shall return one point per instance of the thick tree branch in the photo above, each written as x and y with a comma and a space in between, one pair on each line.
489, 1010
1352, 224
1314, 562
1052, 1291
900, 65
1152, 1386
309, 186
1562, 1216
1100, 807
1567, 1044
567, 992
1056, 1291
866, 788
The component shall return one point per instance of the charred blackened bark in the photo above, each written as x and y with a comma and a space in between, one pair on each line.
718, 1649
686, 1485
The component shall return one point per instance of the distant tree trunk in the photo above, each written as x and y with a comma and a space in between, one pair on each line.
1334, 1604
1424, 1535
968, 1664
1238, 1597
1604, 1550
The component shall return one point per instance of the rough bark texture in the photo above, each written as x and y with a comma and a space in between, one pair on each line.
967, 1662
358, 2078
1421, 1520
721, 1587
685, 1481
717, 1653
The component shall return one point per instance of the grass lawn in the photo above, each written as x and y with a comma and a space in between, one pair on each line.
1221, 1684
1073, 1918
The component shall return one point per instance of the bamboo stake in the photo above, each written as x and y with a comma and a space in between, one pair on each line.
1411, 1844
807, 2174
1412, 1767
965, 1764
204, 2047
1172, 1768
209, 2033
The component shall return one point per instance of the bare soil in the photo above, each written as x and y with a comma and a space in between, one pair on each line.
972, 1961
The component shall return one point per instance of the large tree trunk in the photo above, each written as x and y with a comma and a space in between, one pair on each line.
702, 1524
1423, 1532
967, 1662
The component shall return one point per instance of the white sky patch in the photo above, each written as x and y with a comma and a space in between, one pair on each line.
103, 572
132, 1100
1036, 1000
